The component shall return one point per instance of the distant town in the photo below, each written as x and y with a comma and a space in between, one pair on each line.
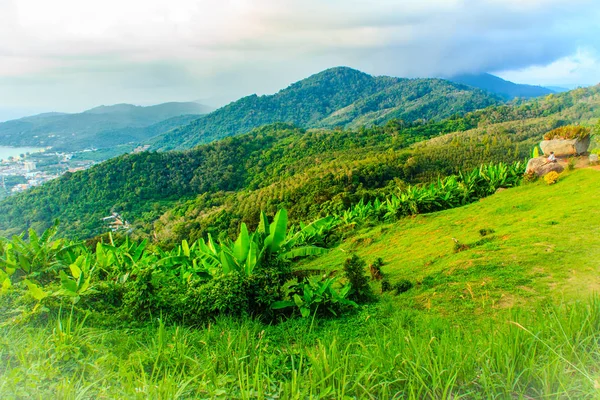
33, 169
27, 170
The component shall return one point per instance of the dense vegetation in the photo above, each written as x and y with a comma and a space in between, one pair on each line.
100, 127
336, 97
568, 132
312, 173
99, 322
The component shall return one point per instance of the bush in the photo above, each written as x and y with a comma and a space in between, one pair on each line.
551, 177
403, 286
375, 269
571, 164
530, 176
486, 231
386, 286
354, 270
568, 132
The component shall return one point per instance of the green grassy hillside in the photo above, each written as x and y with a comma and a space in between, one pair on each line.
544, 247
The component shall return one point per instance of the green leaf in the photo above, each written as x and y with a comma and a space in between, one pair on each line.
227, 263
298, 300
304, 251
75, 270
185, 247
278, 305
67, 284
252, 259
35, 291
263, 226
242, 245
305, 312
278, 231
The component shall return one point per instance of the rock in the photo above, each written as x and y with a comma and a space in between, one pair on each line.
563, 147
593, 158
540, 166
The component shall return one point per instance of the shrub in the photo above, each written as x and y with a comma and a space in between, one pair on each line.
386, 286
315, 295
551, 177
530, 176
571, 164
403, 286
568, 132
354, 270
486, 231
375, 269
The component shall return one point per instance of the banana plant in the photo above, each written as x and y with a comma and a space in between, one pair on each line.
39, 256
77, 283
312, 294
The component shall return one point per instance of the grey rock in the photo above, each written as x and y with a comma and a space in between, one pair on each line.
540, 166
564, 147
593, 158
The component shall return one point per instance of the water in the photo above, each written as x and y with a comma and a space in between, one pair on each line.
6, 152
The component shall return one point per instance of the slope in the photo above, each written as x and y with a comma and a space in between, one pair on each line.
338, 96
540, 244
506, 89
90, 128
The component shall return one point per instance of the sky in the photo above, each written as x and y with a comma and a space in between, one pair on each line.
71, 55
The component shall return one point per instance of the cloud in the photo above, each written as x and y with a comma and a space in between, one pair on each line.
73, 54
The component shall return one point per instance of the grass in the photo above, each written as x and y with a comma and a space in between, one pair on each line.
510, 315
545, 246
381, 352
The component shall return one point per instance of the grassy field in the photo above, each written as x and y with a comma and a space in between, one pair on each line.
542, 245
512, 315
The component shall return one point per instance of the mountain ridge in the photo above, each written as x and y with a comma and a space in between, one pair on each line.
309, 103
76, 131
506, 89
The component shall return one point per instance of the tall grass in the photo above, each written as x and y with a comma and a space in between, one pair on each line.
377, 353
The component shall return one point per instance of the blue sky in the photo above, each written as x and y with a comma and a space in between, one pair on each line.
70, 55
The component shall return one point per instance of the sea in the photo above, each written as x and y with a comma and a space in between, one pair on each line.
6, 152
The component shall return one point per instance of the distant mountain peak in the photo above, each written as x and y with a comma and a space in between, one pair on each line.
506, 89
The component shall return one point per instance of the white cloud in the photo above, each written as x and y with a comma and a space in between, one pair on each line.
155, 50
582, 67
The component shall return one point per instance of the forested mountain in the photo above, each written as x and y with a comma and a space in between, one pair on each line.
336, 97
311, 172
99, 127
503, 88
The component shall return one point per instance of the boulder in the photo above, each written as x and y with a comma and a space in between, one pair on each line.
540, 166
593, 159
565, 147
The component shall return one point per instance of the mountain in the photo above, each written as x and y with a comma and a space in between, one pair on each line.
506, 89
92, 128
336, 97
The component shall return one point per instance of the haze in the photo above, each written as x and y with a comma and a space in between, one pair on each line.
70, 55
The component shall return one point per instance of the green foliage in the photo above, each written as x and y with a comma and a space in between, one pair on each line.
402, 286
315, 294
569, 132
338, 97
355, 274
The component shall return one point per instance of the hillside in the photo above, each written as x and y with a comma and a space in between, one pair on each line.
506, 89
172, 195
514, 314
118, 124
540, 246
335, 97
